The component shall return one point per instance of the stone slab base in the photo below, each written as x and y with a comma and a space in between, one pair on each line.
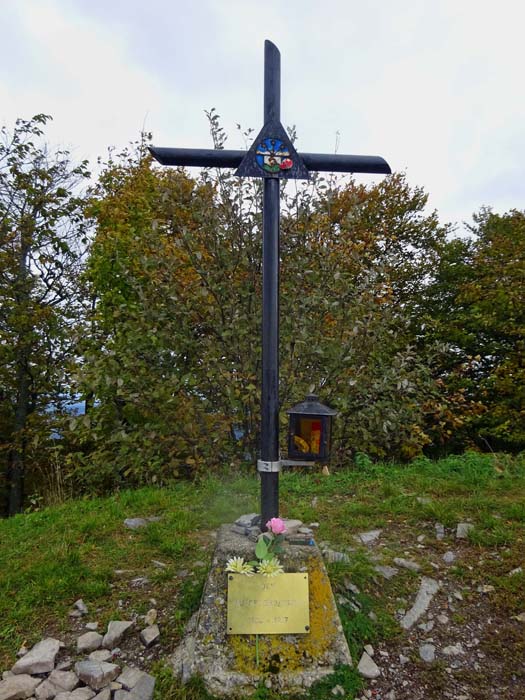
290, 663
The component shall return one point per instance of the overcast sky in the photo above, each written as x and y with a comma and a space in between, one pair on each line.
434, 86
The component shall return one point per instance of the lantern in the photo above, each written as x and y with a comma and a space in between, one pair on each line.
310, 430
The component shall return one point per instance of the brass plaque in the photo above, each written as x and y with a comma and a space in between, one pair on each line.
268, 604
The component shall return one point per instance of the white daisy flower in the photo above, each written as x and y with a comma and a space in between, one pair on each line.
237, 565
270, 567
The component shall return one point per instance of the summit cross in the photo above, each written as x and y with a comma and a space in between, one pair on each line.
271, 157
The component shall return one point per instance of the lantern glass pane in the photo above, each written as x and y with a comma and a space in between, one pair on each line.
308, 436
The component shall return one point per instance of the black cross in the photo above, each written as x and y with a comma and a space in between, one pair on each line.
272, 157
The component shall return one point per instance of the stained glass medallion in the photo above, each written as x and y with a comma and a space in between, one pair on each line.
273, 156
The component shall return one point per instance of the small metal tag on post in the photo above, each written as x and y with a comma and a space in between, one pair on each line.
272, 157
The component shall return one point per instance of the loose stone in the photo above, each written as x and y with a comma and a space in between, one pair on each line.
248, 520
407, 564
96, 674
462, 530
41, 658
150, 618
150, 635
80, 606
144, 688
428, 589
20, 686
338, 691
100, 655
453, 650
427, 652
368, 537
135, 523
440, 531
369, 649
129, 677
367, 667
387, 572
89, 642
292, 526
92, 626
332, 556
449, 557
105, 694
117, 629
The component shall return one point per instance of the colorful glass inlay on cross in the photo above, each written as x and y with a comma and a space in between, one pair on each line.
272, 155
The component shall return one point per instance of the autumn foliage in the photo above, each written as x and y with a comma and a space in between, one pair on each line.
415, 335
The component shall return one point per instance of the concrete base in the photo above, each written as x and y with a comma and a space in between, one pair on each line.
290, 663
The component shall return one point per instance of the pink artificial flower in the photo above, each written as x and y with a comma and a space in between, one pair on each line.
276, 526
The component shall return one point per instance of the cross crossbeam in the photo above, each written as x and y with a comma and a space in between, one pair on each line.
320, 162
272, 157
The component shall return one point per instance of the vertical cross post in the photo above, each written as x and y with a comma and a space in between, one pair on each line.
270, 301
272, 157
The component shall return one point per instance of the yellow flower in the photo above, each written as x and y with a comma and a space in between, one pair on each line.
237, 565
270, 567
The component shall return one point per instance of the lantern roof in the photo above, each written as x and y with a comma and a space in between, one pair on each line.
312, 406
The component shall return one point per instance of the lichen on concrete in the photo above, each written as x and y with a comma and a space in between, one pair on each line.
290, 663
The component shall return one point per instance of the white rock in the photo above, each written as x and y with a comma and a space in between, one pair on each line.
41, 658
369, 649
144, 688
65, 680
338, 691
453, 650
427, 652
428, 589
150, 618
292, 526
440, 531
387, 572
104, 694
247, 520
129, 677
403, 659
487, 588
443, 619
58, 682
449, 557
80, 606
135, 523
91, 641
117, 629
150, 635
407, 564
331, 556
92, 626
367, 667
462, 530
18, 687
96, 674
517, 570
368, 537
100, 655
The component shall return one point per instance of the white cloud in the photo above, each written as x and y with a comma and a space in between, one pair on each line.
435, 87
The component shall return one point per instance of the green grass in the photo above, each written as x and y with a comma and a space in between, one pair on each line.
50, 558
